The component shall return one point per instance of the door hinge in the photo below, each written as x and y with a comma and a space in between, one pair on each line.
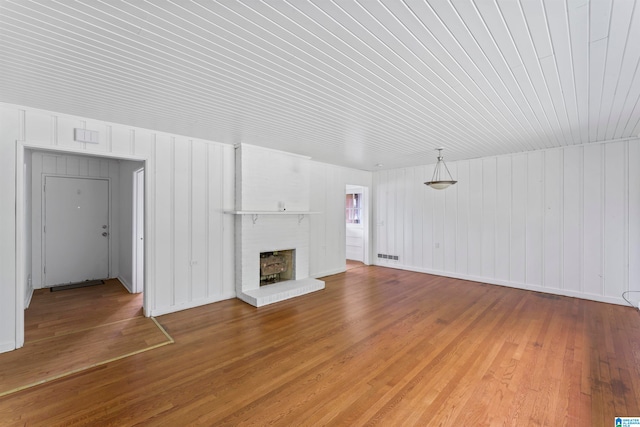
45, 229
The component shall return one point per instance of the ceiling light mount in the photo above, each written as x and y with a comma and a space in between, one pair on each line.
441, 172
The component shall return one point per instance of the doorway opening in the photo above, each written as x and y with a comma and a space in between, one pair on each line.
356, 225
76, 174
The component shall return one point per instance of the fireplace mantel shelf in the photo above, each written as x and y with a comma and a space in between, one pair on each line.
271, 212
255, 214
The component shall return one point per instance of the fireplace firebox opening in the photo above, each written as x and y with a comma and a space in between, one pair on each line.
277, 266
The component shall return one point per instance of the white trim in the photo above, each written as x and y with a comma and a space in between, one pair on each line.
516, 285
126, 284
27, 299
191, 304
20, 239
328, 273
7, 346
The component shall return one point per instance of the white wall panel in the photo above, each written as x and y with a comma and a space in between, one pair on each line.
572, 219
164, 220
437, 230
450, 224
327, 238
181, 219
593, 216
474, 262
533, 238
562, 220
407, 211
417, 226
489, 202
552, 220
198, 226
181, 195
462, 236
615, 219
517, 271
10, 131
633, 188
503, 218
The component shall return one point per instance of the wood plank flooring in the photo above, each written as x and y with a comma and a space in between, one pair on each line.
73, 330
377, 347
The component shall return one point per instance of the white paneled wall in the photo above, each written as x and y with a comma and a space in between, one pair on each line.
327, 196
564, 221
189, 184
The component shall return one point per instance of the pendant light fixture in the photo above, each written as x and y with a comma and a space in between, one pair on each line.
441, 178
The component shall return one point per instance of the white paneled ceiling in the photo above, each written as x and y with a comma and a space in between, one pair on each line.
354, 83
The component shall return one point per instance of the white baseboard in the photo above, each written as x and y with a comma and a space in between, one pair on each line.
517, 285
126, 284
7, 346
27, 298
328, 273
187, 305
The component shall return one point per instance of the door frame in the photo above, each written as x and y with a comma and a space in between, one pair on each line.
21, 223
138, 226
42, 213
366, 221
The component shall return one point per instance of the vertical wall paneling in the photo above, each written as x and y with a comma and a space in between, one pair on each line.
198, 227
427, 220
213, 174
534, 234
562, 220
392, 209
518, 218
615, 208
177, 185
181, 220
489, 201
409, 206
10, 132
552, 220
327, 238
503, 218
633, 189
438, 229
226, 155
462, 237
450, 223
163, 252
417, 226
475, 220
593, 178
572, 219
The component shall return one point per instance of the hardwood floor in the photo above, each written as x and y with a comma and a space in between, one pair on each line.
73, 330
377, 347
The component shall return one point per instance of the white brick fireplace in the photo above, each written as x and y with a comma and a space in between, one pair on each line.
272, 214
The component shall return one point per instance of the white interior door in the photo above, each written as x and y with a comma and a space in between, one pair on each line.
76, 229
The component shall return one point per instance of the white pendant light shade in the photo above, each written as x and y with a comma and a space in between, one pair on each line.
441, 178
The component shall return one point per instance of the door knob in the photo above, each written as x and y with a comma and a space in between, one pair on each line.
105, 234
